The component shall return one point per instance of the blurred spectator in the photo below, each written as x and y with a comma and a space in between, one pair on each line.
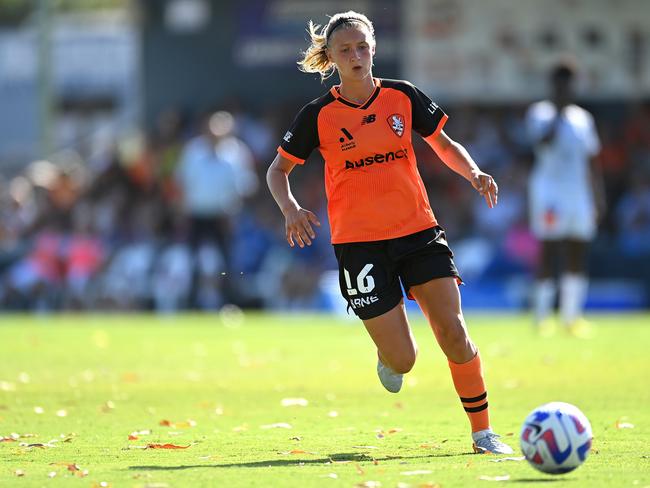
180, 223
565, 197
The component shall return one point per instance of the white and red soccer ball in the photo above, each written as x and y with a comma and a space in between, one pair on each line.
556, 438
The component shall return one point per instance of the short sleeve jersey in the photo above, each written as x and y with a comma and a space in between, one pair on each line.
373, 187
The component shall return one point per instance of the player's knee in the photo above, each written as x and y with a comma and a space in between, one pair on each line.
404, 364
452, 330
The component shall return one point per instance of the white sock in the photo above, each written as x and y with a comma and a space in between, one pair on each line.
573, 294
543, 295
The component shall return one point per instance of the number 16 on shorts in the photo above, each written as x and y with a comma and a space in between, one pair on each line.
365, 282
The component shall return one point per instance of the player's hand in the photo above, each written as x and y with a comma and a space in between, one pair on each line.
486, 186
299, 226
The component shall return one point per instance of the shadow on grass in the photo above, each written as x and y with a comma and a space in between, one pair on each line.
332, 458
540, 480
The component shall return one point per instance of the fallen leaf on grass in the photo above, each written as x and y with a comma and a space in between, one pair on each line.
178, 425
41, 445
365, 447
369, 484
51, 474
429, 446
292, 402
108, 406
495, 478
141, 432
622, 424
101, 484
19, 472
278, 425
166, 446
329, 475
416, 472
359, 469
13, 437
516, 458
133, 437
296, 451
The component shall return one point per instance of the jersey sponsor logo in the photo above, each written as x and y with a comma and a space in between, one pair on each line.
396, 123
347, 142
368, 119
376, 158
287, 137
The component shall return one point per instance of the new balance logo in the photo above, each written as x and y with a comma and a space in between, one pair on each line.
368, 119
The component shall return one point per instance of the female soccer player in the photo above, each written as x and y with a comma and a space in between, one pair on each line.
383, 229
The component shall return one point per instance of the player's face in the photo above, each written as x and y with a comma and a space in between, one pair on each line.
562, 91
352, 49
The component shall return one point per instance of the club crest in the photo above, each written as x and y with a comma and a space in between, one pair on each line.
396, 122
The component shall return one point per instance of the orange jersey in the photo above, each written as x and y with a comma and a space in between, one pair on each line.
373, 187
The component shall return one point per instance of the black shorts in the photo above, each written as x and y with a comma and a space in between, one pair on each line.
370, 272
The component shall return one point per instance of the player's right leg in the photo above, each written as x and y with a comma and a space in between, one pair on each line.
396, 348
370, 284
545, 289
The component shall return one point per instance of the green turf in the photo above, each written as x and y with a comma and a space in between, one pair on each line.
115, 375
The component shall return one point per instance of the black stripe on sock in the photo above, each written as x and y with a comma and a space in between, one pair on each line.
482, 396
476, 409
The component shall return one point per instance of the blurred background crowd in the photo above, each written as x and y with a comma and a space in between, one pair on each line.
148, 193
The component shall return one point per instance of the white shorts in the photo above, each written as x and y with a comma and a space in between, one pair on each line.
562, 218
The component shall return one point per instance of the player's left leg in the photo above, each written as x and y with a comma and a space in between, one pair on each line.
439, 300
574, 283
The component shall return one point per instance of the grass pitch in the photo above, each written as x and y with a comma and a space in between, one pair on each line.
91, 401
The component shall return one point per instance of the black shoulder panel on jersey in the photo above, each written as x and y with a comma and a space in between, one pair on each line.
426, 115
302, 137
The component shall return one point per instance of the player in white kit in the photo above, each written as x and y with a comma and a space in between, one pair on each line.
565, 195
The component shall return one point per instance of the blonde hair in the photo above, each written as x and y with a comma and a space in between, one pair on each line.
315, 58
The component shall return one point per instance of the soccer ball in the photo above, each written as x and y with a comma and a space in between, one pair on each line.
556, 438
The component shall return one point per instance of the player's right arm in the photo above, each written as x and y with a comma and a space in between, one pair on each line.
297, 219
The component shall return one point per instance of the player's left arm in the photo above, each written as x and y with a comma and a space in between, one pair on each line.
456, 157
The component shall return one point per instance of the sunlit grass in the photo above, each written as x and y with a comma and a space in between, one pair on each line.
294, 401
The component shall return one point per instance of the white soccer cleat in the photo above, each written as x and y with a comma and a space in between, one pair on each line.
487, 442
391, 380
